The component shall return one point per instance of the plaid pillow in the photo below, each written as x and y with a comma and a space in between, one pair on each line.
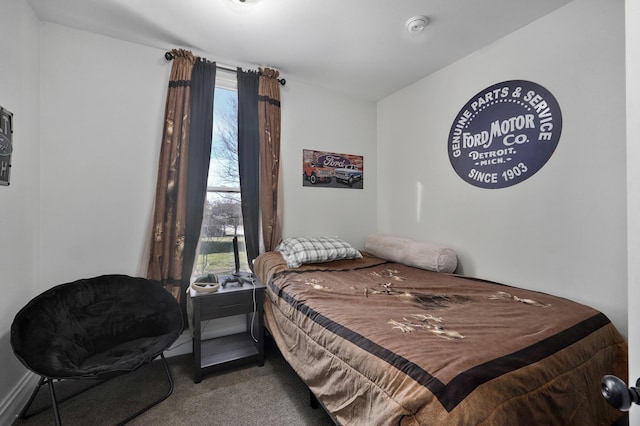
299, 250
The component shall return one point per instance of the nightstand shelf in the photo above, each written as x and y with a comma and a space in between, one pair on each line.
226, 349
220, 352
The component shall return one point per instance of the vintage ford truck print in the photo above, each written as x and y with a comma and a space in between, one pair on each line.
348, 174
315, 172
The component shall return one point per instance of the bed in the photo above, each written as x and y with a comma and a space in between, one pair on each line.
380, 342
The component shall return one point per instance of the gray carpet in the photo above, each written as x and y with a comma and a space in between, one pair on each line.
245, 395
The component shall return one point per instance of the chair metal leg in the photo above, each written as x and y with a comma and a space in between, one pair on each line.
157, 401
43, 381
23, 413
54, 403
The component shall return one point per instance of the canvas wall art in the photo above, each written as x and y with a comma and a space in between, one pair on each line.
332, 170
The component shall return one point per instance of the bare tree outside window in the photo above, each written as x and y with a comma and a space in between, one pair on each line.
226, 151
222, 220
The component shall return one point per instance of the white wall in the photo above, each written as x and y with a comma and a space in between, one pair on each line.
313, 118
103, 103
562, 231
632, 17
19, 93
102, 112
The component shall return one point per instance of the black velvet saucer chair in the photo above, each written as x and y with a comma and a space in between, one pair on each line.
95, 328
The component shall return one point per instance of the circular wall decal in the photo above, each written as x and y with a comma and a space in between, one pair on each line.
505, 134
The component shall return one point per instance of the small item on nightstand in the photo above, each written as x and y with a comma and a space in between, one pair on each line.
239, 278
206, 284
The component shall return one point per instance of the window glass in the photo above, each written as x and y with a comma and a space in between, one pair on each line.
222, 219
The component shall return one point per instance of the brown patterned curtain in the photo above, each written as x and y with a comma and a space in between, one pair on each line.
269, 133
167, 239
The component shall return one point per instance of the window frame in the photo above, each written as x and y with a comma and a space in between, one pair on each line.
225, 79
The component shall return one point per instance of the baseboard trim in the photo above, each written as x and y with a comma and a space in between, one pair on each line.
16, 399
181, 346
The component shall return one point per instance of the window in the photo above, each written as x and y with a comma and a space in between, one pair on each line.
222, 219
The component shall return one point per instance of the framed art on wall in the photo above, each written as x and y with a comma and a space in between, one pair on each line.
328, 169
6, 145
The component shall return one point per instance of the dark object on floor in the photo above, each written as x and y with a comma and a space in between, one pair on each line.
95, 328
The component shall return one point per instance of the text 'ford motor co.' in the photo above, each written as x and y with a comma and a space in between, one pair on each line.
504, 134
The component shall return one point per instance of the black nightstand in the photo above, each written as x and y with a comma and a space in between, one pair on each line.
232, 299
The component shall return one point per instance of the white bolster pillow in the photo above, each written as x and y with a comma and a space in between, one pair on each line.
413, 253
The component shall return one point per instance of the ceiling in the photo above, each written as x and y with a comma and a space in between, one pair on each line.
359, 48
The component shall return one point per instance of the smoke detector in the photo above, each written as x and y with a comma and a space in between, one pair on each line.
416, 24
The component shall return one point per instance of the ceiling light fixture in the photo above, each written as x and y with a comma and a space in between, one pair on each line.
416, 24
244, 2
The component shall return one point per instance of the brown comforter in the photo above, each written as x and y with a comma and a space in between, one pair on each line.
382, 343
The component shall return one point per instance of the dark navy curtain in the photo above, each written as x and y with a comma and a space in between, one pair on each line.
203, 80
248, 159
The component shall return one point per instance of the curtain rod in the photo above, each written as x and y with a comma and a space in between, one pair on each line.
169, 56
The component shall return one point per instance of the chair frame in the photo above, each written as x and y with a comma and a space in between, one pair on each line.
55, 403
